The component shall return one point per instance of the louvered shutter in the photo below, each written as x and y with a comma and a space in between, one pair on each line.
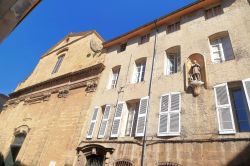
246, 85
163, 116
117, 120
174, 113
224, 109
104, 122
141, 120
92, 123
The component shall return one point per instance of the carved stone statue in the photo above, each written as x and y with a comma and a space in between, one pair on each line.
195, 72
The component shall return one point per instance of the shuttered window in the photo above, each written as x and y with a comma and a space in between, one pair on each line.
92, 123
104, 122
142, 115
246, 85
169, 117
224, 109
117, 120
221, 49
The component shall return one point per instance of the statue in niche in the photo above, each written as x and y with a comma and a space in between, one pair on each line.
196, 78
195, 72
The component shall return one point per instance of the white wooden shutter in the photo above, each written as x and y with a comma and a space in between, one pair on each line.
92, 123
117, 120
224, 109
163, 116
104, 122
141, 120
174, 113
169, 117
246, 85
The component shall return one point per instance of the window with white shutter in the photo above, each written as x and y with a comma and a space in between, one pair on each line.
104, 122
246, 85
117, 120
224, 109
92, 123
169, 117
221, 47
133, 109
142, 115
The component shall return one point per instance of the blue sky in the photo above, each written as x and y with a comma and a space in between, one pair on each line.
50, 21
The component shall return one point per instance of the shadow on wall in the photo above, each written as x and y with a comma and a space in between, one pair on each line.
1, 159
242, 159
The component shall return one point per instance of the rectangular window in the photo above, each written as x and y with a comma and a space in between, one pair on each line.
114, 77
169, 117
132, 119
123, 47
145, 38
221, 49
214, 11
232, 108
139, 71
173, 27
58, 64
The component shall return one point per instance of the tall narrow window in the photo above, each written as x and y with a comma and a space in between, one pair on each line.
142, 117
139, 70
15, 148
213, 11
114, 77
133, 108
58, 64
221, 48
173, 63
169, 117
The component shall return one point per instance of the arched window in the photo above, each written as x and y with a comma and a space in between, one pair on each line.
123, 163
221, 47
173, 60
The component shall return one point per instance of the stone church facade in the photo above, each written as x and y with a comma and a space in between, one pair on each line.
175, 91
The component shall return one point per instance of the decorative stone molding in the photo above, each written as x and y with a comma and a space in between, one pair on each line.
63, 93
91, 86
38, 98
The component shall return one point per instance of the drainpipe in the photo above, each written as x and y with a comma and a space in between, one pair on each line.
144, 144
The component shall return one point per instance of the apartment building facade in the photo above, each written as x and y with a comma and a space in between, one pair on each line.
41, 123
153, 108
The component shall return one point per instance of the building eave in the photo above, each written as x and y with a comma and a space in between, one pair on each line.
160, 21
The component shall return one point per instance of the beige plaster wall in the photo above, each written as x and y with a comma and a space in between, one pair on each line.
198, 115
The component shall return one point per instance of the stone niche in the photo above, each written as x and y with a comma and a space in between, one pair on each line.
194, 82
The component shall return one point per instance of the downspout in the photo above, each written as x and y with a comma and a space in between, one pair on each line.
144, 144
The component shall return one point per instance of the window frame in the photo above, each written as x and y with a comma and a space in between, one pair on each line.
213, 11
58, 64
139, 76
114, 70
174, 27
